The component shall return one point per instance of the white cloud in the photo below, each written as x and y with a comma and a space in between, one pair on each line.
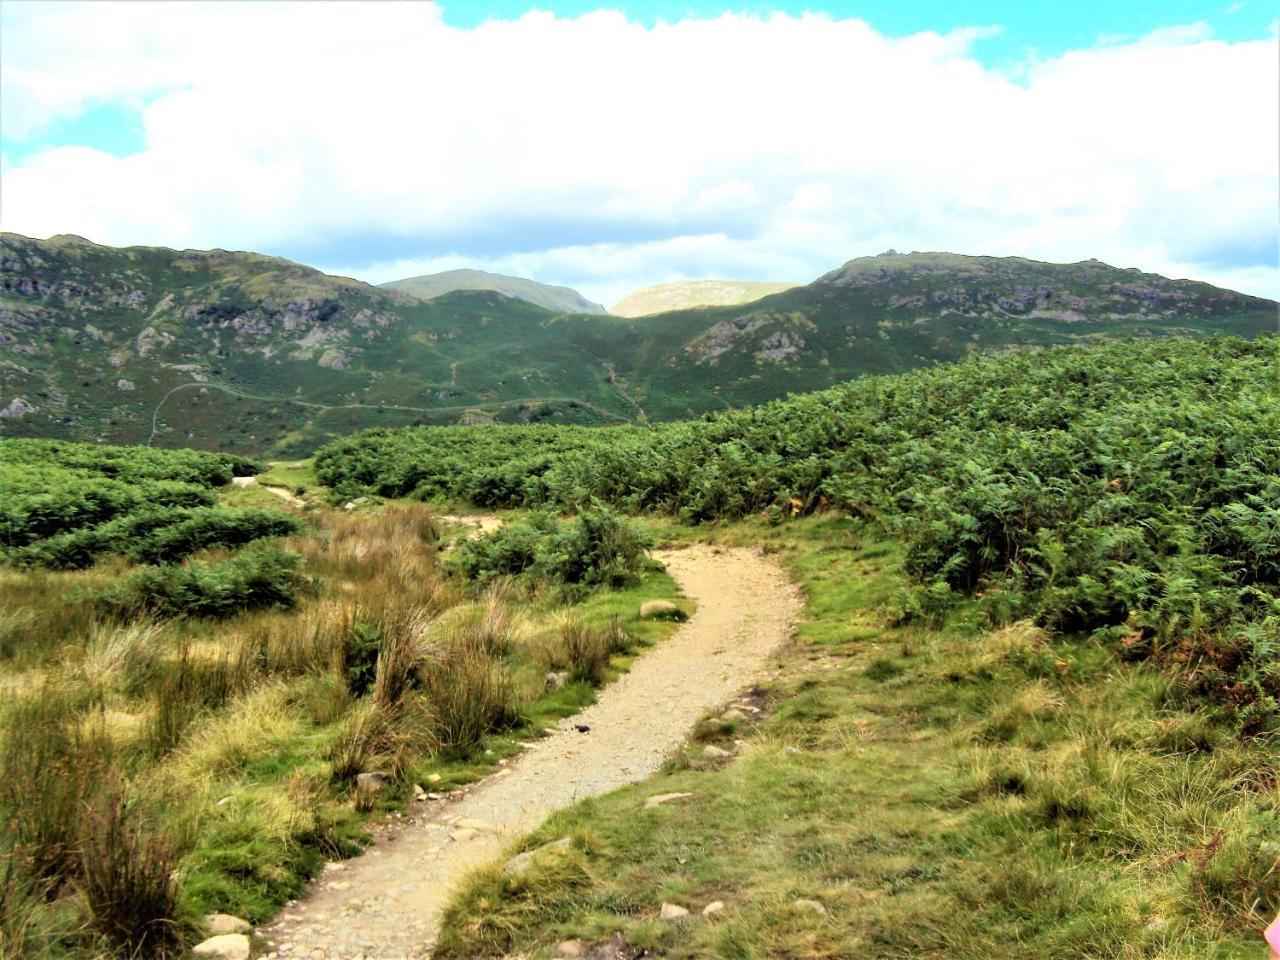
604, 154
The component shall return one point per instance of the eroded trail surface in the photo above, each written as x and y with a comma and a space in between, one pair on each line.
385, 904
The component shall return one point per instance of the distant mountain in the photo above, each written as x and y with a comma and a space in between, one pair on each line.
243, 352
686, 294
557, 299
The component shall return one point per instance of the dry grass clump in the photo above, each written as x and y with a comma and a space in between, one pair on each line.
127, 881
583, 651
242, 735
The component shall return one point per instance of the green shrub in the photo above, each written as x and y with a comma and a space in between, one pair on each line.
596, 548
256, 577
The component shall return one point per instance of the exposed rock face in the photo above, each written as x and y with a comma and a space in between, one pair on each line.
17, 407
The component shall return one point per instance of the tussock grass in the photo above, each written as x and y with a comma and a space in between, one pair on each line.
219, 753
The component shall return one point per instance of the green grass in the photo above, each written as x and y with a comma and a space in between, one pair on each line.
941, 793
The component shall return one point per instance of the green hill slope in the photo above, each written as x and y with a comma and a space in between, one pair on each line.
548, 296
685, 294
254, 354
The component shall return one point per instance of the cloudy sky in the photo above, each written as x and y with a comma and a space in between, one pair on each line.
611, 145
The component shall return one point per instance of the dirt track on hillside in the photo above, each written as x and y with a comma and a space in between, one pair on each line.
385, 904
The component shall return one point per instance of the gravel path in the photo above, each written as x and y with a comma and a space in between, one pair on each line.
385, 904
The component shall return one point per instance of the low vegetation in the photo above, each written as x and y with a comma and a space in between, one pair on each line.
185, 716
1050, 624
1128, 491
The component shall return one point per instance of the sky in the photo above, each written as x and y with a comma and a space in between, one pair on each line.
608, 146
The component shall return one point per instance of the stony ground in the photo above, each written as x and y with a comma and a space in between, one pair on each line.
385, 904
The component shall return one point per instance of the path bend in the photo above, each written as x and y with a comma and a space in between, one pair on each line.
386, 904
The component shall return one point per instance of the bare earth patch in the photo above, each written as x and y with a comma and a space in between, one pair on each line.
385, 904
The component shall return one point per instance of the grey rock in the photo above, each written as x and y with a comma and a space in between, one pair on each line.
662, 798
519, 865
373, 781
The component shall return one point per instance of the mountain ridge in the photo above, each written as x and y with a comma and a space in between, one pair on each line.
549, 296
248, 353
688, 294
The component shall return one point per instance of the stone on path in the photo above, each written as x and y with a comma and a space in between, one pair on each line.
227, 946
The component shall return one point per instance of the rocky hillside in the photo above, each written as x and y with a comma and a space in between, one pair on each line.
248, 353
556, 299
688, 294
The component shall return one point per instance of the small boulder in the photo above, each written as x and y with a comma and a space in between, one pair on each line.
571, 948
712, 908
733, 715
557, 679
662, 798
660, 610
673, 911
463, 835
813, 906
519, 865
433, 778
220, 923
712, 752
227, 946
373, 781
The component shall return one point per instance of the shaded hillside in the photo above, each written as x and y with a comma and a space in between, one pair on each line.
687, 294
248, 353
548, 296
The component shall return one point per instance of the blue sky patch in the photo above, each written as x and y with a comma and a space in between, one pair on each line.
114, 128
1029, 28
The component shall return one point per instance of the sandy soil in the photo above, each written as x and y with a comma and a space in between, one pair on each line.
385, 904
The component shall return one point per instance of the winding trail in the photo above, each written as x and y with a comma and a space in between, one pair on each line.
386, 904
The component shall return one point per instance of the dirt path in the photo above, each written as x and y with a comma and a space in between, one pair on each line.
385, 904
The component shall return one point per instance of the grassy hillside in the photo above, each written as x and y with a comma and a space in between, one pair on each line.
252, 354
684, 294
1034, 705
545, 295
